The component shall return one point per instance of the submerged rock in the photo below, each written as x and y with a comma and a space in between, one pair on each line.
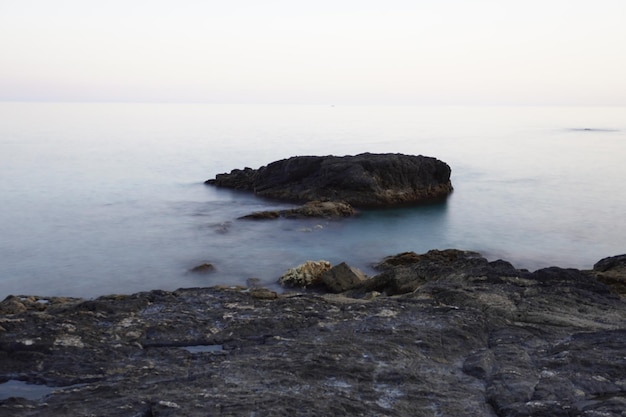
205, 268
365, 180
461, 336
317, 209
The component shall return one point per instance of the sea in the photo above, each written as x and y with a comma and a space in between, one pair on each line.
109, 198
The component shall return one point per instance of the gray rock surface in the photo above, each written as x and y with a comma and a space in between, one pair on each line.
365, 180
451, 334
342, 277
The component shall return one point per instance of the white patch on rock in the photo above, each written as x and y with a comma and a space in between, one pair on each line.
169, 404
69, 341
385, 312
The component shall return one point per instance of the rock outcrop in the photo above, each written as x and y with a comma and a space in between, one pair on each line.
450, 334
612, 271
342, 277
365, 180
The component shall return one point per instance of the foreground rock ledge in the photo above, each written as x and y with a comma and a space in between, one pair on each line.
365, 180
462, 336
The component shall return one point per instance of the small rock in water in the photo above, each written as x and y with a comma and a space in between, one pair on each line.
262, 215
253, 283
204, 268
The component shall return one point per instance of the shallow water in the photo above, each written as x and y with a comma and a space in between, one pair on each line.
20, 389
203, 348
109, 198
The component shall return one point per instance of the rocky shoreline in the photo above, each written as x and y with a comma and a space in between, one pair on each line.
446, 333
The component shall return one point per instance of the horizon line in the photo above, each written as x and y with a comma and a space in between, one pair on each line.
292, 103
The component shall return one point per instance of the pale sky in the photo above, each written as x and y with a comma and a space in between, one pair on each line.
486, 52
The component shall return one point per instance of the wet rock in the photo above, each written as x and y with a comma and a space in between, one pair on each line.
342, 277
306, 275
263, 215
365, 180
317, 209
471, 337
325, 209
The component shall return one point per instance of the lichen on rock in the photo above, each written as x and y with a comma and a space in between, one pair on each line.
305, 275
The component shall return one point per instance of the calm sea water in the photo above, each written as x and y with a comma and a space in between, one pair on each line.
109, 198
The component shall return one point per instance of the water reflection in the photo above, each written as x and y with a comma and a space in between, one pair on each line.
21, 389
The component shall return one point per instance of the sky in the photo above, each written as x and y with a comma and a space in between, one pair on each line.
423, 52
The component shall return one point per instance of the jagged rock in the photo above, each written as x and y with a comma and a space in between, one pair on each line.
365, 180
305, 275
612, 272
409, 258
341, 278
404, 258
320, 209
406, 272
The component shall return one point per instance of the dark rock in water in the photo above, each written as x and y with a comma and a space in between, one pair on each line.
263, 215
365, 180
204, 268
323, 209
317, 209
462, 337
